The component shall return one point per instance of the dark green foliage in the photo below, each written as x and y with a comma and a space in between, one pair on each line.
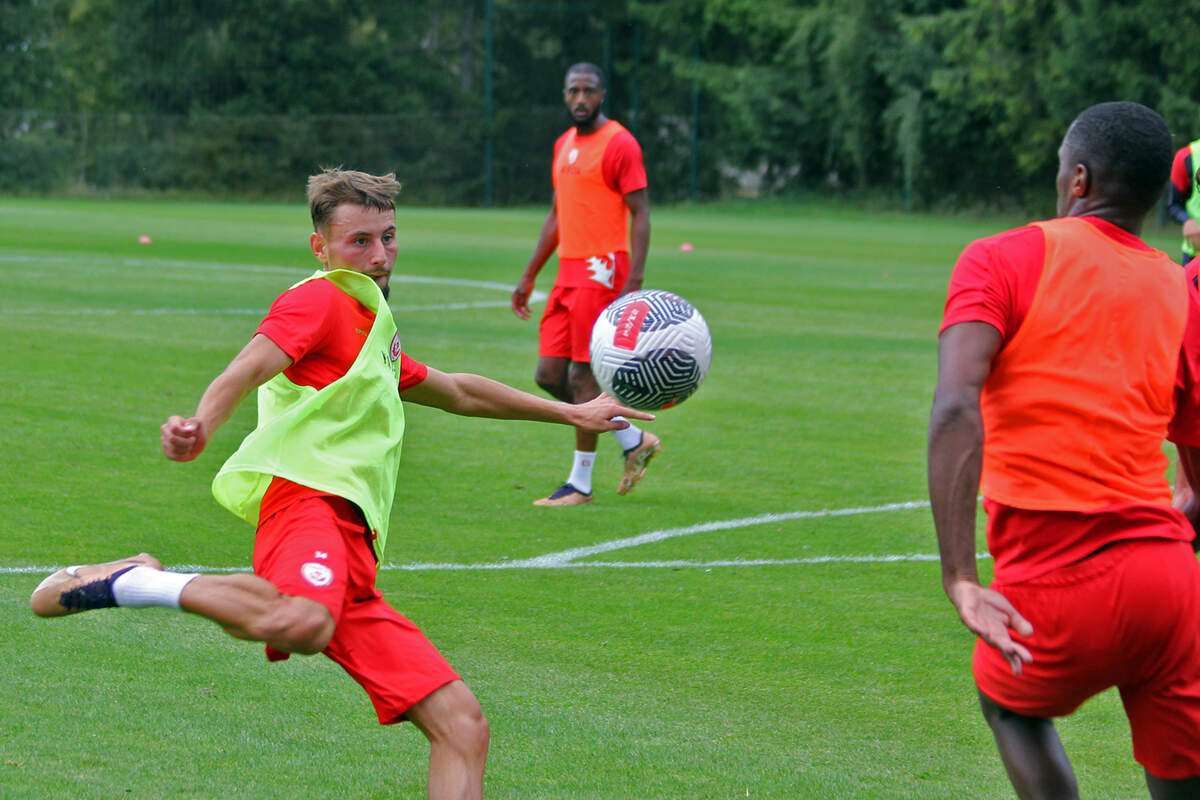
943, 103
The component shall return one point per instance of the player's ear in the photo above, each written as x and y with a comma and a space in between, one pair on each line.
1081, 180
316, 242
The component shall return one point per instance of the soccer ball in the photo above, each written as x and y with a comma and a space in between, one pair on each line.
650, 349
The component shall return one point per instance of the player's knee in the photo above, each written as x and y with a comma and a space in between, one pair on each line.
471, 732
452, 718
297, 625
583, 386
549, 381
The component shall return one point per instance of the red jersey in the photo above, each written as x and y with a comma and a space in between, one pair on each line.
322, 329
591, 175
995, 281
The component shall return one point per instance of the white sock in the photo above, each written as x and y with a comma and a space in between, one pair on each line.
142, 587
581, 471
628, 438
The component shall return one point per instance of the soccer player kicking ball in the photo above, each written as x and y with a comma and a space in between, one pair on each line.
317, 477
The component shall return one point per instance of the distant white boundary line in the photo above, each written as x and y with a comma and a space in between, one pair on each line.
535, 297
568, 559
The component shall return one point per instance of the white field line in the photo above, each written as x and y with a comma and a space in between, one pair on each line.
535, 297
568, 559
567, 556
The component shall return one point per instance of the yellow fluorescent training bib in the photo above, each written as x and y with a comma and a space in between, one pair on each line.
344, 439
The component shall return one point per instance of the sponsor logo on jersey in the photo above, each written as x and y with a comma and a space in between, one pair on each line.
629, 325
316, 574
573, 156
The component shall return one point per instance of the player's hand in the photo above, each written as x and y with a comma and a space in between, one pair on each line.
1191, 232
597, 415
630, 287
183, 439
989, 615
520, 298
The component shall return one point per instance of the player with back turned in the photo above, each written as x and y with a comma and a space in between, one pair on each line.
1069, 349
599, 222
317, 478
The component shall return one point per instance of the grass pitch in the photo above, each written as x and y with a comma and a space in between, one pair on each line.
764, 642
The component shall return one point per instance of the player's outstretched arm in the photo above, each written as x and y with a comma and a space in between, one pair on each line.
184, 438
476, 396
965, 353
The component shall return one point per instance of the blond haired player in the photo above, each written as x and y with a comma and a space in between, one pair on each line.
317, 478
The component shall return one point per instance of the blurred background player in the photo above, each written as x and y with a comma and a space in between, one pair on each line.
1069, 349
599, 222
317, 478
1183, 201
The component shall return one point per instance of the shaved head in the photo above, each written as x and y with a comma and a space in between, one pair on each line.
1127, 149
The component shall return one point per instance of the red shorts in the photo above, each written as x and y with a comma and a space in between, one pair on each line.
571, 311
1128, 616
319, 548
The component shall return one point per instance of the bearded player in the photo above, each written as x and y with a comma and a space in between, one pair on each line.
599, 222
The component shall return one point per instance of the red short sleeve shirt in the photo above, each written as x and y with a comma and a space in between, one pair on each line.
622, 165
322, 329
994, 282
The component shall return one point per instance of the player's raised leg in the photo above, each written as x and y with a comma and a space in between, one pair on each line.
246, 606
83, 587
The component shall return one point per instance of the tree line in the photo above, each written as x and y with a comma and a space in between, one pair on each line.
929, 103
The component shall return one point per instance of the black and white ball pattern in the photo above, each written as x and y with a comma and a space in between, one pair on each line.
650, 349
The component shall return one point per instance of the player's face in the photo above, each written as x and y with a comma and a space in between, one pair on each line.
358, 238
583, 96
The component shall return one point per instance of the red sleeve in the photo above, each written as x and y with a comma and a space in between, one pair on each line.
412, 372
1185, 426
1181, 172
300, 320
995, 279
622, 166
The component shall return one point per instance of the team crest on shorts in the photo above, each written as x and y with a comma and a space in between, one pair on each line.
396, 347
317, 574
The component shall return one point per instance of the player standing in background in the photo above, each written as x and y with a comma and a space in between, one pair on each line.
1183, 202
317, 477
599, 222
1069, 349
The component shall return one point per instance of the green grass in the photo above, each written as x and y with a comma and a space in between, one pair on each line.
616, 677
